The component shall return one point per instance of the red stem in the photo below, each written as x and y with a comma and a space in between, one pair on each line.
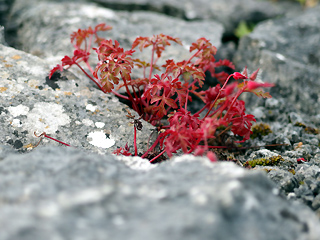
186, 103
90, 42
89, 67
45, 135
132, 100
202, 109
189, 60
99, 86
135, 142
194, 146
119, 95
152, 147
234, 99
151, 64
160, 154
212, 104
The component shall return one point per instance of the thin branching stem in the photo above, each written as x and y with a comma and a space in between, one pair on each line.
135, 142
156, 157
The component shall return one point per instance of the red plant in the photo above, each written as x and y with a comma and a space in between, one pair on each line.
156, 97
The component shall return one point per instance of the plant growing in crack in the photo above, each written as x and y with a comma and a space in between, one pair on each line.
162, 99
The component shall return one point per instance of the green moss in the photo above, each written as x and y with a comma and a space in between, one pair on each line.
304, 3
299, 124
259, 130
307, 129
292, 171
243, 29
272, 161
312, 130
308, 3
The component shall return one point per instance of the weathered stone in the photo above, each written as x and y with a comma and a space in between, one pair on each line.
284, 179
47, 34
2, 38
64, 193
229, 13
3, 11
286, 50
73, 111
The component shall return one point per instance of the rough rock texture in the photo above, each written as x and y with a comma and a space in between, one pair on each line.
70, 110
36, 25
229, 13
69, 194
2, 37
287, 51
4, 9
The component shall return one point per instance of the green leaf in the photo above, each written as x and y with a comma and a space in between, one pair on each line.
243, 29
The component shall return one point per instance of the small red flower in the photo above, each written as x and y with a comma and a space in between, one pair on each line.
301, 160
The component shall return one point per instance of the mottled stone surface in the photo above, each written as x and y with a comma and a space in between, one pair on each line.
70, 110
287, 51
228, 13
47, 34
74, 193
55, 193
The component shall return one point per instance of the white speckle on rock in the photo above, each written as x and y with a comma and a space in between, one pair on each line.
4, 74
275, 191
198, 197
94, 12
73, 20
91, 108
48, 210
32, 69
136, 163
186, 46
87, 122
16, 123
262, 44
99, 139
33, 83
99, 124
280, 57
18, 110
46, 117
191, 14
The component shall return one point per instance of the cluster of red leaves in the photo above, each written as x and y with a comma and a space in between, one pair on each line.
165, 96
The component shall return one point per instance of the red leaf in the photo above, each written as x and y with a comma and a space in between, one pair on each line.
245, 72
229, 89
102, 27
67, 61
238, 76
254, 75
225, 63
53, 70
253, 85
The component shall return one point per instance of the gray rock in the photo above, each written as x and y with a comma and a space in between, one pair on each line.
308, 176
284, 179
287, 52
65, 193
4, 7
47, 34
229, 13
2, 38
6, 150
70, 110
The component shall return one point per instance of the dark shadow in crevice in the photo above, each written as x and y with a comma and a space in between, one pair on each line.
164, 9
